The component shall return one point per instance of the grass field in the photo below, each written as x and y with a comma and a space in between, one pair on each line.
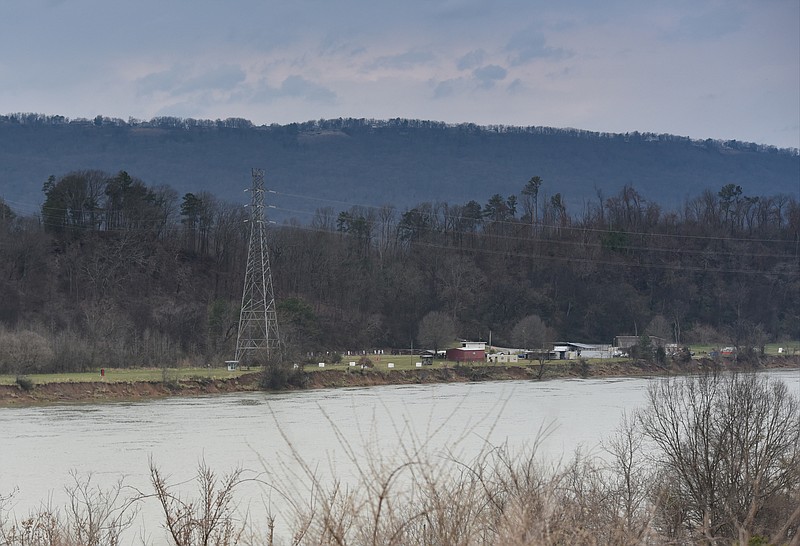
408, 362
128, 374
402, 362
789, 348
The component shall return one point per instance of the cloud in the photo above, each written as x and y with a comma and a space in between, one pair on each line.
561, 73
332, 45
471, 60
297, 87
517, 86
445, 89
489, 74
484, 77
402, 61
165, 80
468, 10
711, 25
529, 44
222, 78
180, 79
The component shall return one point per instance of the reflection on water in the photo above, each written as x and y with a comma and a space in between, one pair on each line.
40, 445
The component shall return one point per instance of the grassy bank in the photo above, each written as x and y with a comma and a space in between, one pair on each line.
126, 375
136, 384
380, 366
123, 375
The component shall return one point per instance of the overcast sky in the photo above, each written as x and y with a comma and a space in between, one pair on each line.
700, 68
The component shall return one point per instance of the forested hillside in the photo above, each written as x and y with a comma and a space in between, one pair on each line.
114, 271
372, 162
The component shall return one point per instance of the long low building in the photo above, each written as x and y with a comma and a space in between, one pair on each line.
571, 350
626, 342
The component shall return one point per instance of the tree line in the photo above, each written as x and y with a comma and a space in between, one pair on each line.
115, 272
356, 124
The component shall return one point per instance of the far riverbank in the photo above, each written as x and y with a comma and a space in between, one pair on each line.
344, 376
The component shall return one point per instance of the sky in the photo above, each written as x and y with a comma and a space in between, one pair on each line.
698, 68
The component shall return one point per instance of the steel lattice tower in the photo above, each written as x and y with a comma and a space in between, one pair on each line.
258, 319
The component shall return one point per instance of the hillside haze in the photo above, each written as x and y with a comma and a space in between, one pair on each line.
367, 162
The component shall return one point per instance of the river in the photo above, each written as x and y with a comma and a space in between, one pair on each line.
40, 446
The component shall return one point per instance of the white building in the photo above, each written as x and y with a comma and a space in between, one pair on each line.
571, 350
501, 358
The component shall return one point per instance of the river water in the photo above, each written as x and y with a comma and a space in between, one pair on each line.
269, 433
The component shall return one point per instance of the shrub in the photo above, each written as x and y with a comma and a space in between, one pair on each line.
211, 518
279, 373
202, 380
71, 353
661, 355
170, 379
365, 362
25, 383
24, 352
684, 356
93, 516
582, 368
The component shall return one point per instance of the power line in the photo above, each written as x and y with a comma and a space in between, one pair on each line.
600, 244
710, 253
516, 253
510, 223
539, 225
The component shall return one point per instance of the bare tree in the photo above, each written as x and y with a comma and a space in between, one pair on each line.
324, 219
629, 481
93, 516
731, 447
209, 520
530, 200
98, 517
436, 329
660, 327
531, 333
459, 282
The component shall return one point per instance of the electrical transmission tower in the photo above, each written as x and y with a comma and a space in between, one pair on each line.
258, 319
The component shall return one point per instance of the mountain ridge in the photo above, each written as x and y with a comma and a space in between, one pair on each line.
374, 162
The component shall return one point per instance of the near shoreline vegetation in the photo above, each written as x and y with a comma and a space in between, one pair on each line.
27, 392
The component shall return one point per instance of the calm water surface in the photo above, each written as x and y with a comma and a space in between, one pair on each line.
40, 446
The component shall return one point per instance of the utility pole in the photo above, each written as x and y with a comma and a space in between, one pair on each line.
258, 319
